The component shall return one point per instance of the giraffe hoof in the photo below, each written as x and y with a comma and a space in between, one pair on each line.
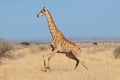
47, 67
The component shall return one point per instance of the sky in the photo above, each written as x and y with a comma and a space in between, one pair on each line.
75, 18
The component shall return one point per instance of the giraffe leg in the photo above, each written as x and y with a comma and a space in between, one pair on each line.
49, 59
77, 59
77, 63
44, 59
71, 56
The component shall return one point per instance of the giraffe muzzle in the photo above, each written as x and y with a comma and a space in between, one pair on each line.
37, 16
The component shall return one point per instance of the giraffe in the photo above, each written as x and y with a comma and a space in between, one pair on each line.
59, 44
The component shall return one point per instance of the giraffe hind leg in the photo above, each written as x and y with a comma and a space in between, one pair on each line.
77, 63
79, 60
71, 56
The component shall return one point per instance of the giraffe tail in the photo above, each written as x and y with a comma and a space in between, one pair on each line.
83, 64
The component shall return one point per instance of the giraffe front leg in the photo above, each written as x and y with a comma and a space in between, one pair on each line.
50, 57
46, 60
45, 57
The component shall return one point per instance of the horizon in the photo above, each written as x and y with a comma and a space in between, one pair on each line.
73, 39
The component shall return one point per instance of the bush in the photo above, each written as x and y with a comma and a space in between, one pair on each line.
5, 47
116, 52
25, 43
95, 43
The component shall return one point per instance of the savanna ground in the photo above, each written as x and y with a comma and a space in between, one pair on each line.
26, 63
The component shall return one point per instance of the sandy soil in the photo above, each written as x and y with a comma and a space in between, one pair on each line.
27, 64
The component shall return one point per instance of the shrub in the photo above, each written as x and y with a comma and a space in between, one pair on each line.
116, 52
95, 43
5, 47
25, 43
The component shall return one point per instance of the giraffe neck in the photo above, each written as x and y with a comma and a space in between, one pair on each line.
52, 26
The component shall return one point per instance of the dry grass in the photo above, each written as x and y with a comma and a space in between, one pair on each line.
102, 64
5, 47
116, 52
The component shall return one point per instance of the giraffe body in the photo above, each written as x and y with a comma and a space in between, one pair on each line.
59, 44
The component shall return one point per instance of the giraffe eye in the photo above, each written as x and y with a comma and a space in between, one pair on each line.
42, 12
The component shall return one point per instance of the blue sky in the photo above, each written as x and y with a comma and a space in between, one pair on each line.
75, 18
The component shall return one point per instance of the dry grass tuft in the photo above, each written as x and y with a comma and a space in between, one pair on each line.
5, 47
116, 52
43, 47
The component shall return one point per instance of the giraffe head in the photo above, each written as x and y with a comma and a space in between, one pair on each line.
42, 12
